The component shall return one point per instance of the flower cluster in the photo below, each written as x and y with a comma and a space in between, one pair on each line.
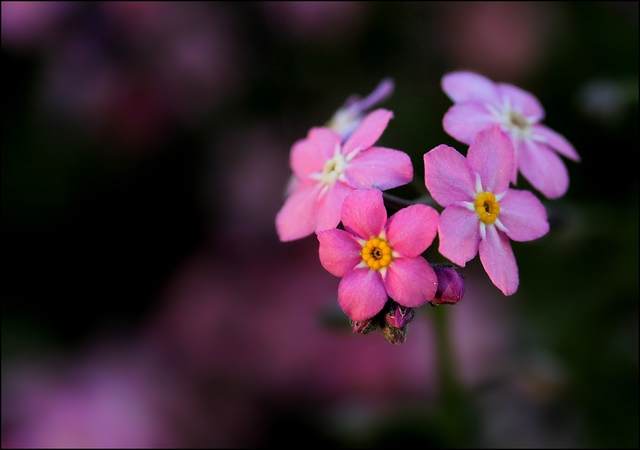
336, 192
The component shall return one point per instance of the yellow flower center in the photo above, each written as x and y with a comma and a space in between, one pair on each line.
377, 253
487, 207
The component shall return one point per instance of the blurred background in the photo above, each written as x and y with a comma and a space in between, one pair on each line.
147, 301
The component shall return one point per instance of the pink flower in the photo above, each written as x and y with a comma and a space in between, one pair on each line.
326, 171
481, 213
379, 258
480, 103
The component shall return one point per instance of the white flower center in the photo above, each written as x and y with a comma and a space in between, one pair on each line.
333, 168
517, 124
512, 121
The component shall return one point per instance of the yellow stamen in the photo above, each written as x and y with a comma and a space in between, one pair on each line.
377, 253
487, 207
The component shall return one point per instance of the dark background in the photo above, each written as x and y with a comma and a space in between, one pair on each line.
146, 299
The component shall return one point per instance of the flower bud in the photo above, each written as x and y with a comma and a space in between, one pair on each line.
398, 316
393, 334
365, 326
450, 285
394, 325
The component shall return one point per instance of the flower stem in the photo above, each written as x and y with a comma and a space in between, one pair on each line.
398, 203
455, 411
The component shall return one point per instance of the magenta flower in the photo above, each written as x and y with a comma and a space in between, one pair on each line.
480, 212
480, 103
379, 258
326, 171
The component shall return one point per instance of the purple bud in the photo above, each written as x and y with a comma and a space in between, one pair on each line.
382, 92
398, 316
365, 326
450, 285
350, 115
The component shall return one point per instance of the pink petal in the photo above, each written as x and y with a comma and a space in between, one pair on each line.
369, 131
448, 176
297, 217
556, 141
517, 143
492, 156
499, 261
310, 155
463, 86
544, 169
459, 234
363, 213
379, 168
339, 251
361, 294
523, 215
521, 101
330, 206
463, 121
412, 229
411, 281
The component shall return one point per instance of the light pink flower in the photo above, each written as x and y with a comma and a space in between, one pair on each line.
481, 103
379, 258
481, 213
326, 171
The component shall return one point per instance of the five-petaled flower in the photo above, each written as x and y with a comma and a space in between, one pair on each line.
479, 104
326, 170
480, 212
379, 258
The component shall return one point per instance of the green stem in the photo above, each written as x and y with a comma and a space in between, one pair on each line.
398, 203
455, 409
